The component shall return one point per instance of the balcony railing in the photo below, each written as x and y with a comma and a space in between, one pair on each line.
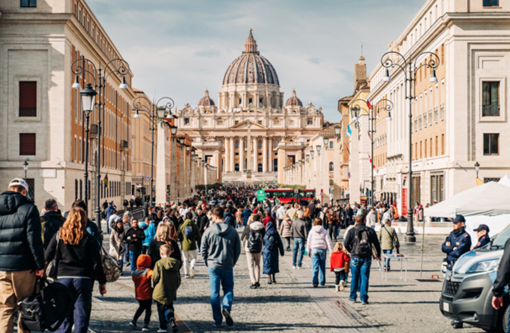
28, 112
490, 111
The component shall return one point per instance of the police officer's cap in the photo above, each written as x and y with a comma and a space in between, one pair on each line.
459, 218
482, 227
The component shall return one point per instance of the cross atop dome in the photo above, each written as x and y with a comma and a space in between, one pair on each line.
251, 44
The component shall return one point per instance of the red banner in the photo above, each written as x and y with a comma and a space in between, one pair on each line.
404, 202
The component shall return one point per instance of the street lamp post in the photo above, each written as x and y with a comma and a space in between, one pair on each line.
25, 167
155, 110
409, 69
98, 75
88, 100
477, 168
356, 113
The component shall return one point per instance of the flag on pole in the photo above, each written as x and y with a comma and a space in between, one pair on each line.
370, 159
349, 131
369, 105
105, 181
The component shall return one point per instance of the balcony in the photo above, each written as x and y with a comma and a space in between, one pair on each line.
27, 112
490, 111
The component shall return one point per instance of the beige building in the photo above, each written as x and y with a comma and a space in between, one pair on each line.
41, 117
242, 132
457, 121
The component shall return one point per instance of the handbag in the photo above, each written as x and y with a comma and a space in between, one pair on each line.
347, 266
111, 266
52, 269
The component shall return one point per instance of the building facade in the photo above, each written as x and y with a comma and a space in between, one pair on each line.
457, 120
41, 116
243, 131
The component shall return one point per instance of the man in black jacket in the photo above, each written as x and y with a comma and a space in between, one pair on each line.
502, 280
359, 241
202, 222
134, 237
51, 221
21, 251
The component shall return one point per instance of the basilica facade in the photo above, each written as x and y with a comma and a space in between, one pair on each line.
242, 133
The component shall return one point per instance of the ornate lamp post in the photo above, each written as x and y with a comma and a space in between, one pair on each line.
119, 67
477, 168
88, 100
25, 167
409, 69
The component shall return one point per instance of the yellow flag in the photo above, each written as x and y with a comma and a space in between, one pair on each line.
479, 182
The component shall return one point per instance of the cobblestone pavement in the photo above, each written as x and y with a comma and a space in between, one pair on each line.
292, 305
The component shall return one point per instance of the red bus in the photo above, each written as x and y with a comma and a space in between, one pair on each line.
284, 195
306, 195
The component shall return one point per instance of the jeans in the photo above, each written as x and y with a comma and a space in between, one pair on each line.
126, 253
144, 305
387, 261
297, 252
360, 272
319, 263
340, 276
81, 292
133, 256
165, 313
332, 231
225, 277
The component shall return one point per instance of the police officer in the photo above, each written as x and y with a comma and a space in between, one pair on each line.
456, 244
482, 232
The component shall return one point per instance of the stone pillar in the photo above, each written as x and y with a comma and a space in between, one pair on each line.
241, 154
180, 194
255, 146
232, 162
193, 172
282, 163
271, 155
264, 155
173, 170
226, 165
161, 165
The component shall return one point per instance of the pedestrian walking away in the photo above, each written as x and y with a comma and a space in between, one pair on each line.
317, 245
188, 234
300, 234
272, 247
388, 239
286, 231
339, 263
253, 236
143, 291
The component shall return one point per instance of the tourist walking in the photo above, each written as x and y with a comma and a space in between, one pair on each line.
339, 263
164, 235
51, 221
286, 231
332, 224
117, 245
359, 241
21, 253
252, 239
317, 245
272, 247
149, 229
220, 250
299, 234
78, 265
389, 240
143, 291
188, 234
134, 237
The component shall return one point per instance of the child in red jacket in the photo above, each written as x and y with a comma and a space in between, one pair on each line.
340, 265
143, 290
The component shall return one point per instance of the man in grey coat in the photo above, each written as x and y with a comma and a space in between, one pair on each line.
300, 234
220, 250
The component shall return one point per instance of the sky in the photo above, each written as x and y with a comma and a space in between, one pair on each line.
180, 48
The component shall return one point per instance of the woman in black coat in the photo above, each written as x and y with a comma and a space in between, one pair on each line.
348, 216
163, 236
272, 245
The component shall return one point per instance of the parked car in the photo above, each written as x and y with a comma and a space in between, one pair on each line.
467, 289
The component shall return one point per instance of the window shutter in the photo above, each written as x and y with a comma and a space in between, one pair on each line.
28, 99
27, 144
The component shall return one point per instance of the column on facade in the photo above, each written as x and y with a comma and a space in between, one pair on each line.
317, 176
264, 154
190, 171
325, 174
161, 166
271, 154
255, 146
173, 170
226, 165
181, 172
232, 164
241, 154
193, 169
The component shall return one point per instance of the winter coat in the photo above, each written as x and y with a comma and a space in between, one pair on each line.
188, 244
167, 280
338, 260
21, 246
142, 278
280, 213
286, 229
117, 245
149, 231
51, 222
135, 243
268, 219
153, 251
229, 219
272, 245
318, 238
254, 226
298, 229
388, 238
246, 214
220, 246
202, 221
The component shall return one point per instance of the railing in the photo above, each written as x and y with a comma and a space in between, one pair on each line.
490, 111
28, 112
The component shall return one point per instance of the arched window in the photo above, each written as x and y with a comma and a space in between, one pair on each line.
237, 144
237, 167
331, 166
260, 144
260, 167
276, 142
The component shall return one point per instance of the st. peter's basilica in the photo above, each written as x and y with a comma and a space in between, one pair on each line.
244, 131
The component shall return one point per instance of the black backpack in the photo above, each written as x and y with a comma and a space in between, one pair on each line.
47, 309
188, 231
362, 246
255, 242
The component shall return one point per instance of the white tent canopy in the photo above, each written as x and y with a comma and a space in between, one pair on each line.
505, 181
488, 199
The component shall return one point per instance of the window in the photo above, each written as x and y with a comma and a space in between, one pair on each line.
425, 148
331, 166
221, 143
437, 143
442, 144
76, 189
490, 99
331, 144
28, 3
437, 188
259, 167
260, 101
28, 99
276, 122
237, 144
240, 101
276, 142
260, 144
259, 122
309, 121
236, 122
27, 143
491, 144
490, 3
236, 166
250, 101
220, 122
186, 121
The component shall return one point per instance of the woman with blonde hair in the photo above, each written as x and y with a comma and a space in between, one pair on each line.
78, 265
165, 234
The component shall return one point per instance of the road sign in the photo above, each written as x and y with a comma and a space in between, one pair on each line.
296, 191
274, 181
261, 195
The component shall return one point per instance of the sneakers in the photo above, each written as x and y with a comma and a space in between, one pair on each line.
162, 330
364, 303
192, 273
337, 288
257, 284
145, 328
174, 325
342, 285
299, 267
253, 286
186, 276
293, 267
228, 318
132, 324
315, 285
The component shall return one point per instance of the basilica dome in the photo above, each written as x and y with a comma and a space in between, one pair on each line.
294, 101
251, 67
206, 100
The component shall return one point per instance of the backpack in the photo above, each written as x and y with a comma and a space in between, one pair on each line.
47, 309
188, 231
255, 242
362, 246
110, 266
